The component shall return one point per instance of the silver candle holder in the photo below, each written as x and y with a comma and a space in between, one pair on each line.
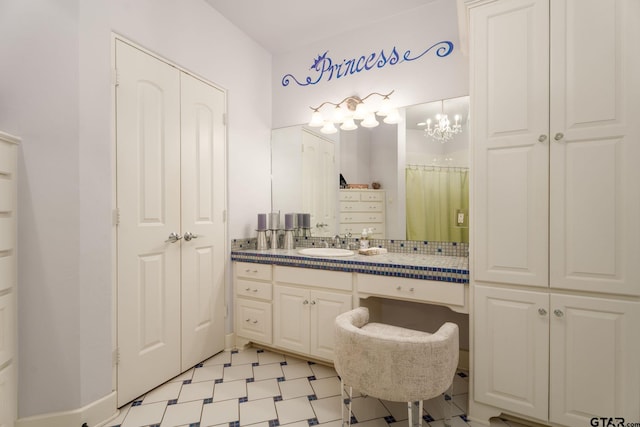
262, 240
289, 242
274, 239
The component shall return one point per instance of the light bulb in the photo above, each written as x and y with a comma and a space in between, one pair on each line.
328, 128
385, 107
369, 121
361, 111
392, 117
348, 124
316, 119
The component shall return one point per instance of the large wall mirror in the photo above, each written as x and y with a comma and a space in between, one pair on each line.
422, 171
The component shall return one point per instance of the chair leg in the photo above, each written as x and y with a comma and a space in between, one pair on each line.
415, 413
347, 401
448, 405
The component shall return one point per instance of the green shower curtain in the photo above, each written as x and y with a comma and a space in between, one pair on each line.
435, 198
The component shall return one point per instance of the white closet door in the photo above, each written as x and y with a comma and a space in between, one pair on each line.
510, 143
203, 204
319, 183
148, 196
595, 149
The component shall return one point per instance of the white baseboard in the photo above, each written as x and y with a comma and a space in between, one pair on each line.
94, 414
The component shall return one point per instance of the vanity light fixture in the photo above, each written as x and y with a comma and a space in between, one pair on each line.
442, 131
354, 108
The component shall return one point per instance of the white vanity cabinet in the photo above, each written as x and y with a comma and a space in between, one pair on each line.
305, 304
253, 290
555, 207
362, 209
8, 280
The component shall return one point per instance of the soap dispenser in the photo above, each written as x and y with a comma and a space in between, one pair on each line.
364, 239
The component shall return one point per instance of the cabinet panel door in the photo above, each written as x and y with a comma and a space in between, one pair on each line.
325, 307
594, 368
595, 178
291, 318
253, 320
511, 350
509, 81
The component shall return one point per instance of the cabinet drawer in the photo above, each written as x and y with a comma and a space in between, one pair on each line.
312, 277
7, 348
361, 206
412, 289
356, 229
349, 196
252, 270
7, 194
361, 217
369, 196
253, 289
253, 320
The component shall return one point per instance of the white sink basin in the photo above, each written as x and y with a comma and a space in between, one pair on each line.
325, 252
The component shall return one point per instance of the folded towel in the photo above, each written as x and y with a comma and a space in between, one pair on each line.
372, 251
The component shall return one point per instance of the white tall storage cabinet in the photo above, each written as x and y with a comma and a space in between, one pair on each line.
555, 208
8, 281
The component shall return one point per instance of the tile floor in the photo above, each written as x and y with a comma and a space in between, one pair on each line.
267, 389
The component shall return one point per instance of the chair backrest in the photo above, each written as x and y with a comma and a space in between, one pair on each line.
391, 363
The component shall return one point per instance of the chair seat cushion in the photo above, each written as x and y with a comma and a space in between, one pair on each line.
381, 330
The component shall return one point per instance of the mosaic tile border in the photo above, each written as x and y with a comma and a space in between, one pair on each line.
453, 273
392, 245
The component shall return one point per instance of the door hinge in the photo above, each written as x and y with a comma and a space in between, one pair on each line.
115, 356
115, 77
116, 216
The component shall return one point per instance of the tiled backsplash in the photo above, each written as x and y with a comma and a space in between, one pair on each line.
398, 246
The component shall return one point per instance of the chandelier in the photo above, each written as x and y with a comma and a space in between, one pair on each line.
442, 130
353, 108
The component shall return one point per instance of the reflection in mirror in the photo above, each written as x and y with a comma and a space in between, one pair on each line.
424, 182
437, 171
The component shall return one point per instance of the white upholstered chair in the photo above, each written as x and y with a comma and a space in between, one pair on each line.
393, 363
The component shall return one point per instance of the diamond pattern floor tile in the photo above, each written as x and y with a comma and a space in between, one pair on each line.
263, 388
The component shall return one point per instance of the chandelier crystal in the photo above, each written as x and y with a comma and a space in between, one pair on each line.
442, 130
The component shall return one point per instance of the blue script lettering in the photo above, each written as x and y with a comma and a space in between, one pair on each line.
325, 69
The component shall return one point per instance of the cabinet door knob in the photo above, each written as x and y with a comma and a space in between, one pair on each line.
558, 312
305, 302
399, 288
558, 136
542, 312
542, 138
313, 302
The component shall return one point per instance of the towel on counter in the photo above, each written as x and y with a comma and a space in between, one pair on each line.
372, 251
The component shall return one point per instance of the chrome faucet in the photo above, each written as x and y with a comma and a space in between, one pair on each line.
336, 240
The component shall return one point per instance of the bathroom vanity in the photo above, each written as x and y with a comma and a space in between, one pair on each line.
288, 301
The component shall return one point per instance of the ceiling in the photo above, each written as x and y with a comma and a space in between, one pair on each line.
284, 25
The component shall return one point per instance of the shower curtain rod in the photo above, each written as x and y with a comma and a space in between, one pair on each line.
426, 167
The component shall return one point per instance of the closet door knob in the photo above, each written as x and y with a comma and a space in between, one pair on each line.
173, 237
188, 236
542, 138
558, 136
558, 312
542, 312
